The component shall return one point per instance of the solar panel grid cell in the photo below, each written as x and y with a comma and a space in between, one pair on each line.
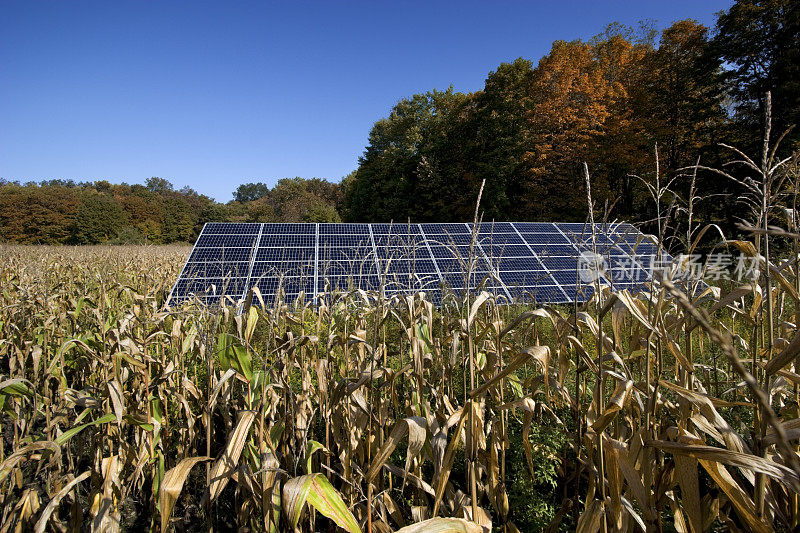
445, 229
560, 263
276, 228
519, 263
497, 251
187, 287
214, 269
219, 254
214, 228
344, 242
554, 250
346, 254
343, 229
458, 265
395, 229
527, 279
276, 268
285, 254
405, 243
345, 282
450, 252
288, 239
386, 253
534, 227
288, 284
347, 268
421, 265
226, 241
496, 239
544, 238
494, 227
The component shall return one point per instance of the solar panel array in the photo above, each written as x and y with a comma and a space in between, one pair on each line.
525, 261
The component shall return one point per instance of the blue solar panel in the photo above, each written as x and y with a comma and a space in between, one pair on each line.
458, 265
527, 264
505, 250
225, 241
346, 268
214, 228
281, 241
556, 250
499, 239
445, 229
208, 289
459, 239
344, 229
276, 268
534, 227
404, 253
289, 229
405, 267
568, 277
365, 282
347, 254
286, 254
341, 242
545, 238
495, 227
551, 263
216, 269
526, 261
289, 284
453, 251
220, 254
395, 229
405, 243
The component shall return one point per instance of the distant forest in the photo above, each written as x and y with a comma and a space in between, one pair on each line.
608, 102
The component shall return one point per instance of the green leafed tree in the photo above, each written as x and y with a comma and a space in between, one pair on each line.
249, 192
399, 174
759, 42
99, 219
159, 185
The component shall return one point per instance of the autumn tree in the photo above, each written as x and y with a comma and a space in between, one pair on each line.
571, 102
34, 214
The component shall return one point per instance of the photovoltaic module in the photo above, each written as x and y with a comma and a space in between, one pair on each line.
539, 262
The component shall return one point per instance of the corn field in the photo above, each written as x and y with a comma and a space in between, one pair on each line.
664, 410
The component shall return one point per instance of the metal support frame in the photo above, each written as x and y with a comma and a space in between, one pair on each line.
428, 246
377, 259
316, 261
183, 268
601, 277
253, 253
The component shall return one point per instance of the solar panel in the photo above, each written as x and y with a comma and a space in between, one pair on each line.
519, 261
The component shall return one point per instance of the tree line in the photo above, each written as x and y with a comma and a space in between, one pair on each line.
66, 212
628, 102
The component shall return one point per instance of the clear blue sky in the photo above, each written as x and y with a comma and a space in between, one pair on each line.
214, 94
